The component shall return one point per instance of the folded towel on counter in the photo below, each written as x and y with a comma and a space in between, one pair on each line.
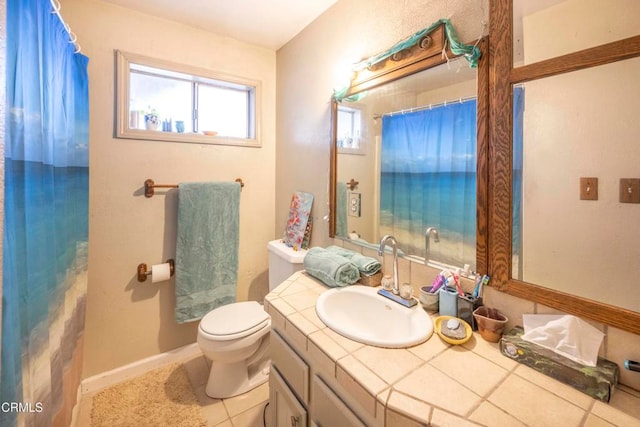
366, 264
332, 269
206, 248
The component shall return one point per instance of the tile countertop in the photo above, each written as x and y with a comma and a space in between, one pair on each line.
435, 382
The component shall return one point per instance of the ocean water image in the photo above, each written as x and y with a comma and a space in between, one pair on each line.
412, 202
45, 276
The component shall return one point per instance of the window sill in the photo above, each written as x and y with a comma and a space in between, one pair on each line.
193, 138
355, 151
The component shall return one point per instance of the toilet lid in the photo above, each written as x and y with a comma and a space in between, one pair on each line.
235, 320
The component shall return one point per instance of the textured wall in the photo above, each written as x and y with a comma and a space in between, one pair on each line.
127, 320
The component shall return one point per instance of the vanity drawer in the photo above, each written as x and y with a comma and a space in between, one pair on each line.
292, 367
327, 409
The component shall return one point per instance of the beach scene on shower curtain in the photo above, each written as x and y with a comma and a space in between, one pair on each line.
428, 179
46, 217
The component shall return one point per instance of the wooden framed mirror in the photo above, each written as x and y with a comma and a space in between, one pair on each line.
414, 66
587, 58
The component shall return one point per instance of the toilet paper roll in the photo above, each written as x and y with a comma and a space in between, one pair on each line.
160, 272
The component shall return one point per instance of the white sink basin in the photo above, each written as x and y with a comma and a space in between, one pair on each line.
359, 313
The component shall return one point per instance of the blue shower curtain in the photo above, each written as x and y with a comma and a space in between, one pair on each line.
46, 218
428, 179
518, 162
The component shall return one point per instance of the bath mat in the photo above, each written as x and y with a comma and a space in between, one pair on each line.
163, 397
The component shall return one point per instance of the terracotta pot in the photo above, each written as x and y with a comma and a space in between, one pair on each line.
491, 323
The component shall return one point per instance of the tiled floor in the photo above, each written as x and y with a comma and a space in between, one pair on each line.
245, 410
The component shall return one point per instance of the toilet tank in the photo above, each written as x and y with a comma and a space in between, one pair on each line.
283, 262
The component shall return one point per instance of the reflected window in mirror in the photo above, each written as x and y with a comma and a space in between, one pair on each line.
349, 129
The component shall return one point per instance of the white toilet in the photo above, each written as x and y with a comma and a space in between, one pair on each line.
235, 337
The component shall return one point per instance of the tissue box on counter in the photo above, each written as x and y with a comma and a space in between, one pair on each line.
598, 382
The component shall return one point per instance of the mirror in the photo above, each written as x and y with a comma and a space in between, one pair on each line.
562, 94
572, 237
392, 186
378, 178
544, 29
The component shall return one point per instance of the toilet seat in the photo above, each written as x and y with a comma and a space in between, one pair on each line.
234, 321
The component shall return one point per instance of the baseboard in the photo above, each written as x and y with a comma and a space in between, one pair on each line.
123, 373
76, 408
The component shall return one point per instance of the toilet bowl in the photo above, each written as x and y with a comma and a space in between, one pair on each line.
235, 337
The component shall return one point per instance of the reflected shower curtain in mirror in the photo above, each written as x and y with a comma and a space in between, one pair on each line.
518, 161
46, 218
428, 179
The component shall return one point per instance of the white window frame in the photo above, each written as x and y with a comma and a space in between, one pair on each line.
355, 131
123, 62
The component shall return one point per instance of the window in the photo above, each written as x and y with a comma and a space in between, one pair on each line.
162, 101
349, 135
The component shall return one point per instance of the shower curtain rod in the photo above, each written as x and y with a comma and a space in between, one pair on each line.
424, 107
73, 39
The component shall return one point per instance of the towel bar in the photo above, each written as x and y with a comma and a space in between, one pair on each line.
149, 186
143, 272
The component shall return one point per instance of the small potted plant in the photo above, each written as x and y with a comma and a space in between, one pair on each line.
151, 119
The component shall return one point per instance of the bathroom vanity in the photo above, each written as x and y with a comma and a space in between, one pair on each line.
320, 378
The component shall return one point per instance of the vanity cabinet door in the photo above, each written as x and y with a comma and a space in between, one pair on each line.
292, 367
285, 410
327, 409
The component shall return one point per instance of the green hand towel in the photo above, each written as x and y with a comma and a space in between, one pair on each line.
332, 269
367, 265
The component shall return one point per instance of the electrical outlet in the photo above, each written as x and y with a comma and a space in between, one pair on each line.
589, 188
629, 190
354, 204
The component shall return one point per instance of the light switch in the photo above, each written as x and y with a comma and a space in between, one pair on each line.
588, 188
354, 204
629, 190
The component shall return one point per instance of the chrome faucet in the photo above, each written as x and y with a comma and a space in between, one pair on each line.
394, 247
427, 242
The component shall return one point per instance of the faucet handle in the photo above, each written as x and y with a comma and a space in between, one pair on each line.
387, 282
406, 291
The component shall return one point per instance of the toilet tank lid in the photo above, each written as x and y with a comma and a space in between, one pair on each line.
287, 253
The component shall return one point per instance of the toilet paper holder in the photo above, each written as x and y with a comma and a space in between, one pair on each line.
143, 272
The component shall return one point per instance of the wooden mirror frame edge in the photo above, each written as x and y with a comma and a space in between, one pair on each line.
502, 76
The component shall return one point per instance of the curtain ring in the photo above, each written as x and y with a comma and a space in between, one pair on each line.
56, 9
